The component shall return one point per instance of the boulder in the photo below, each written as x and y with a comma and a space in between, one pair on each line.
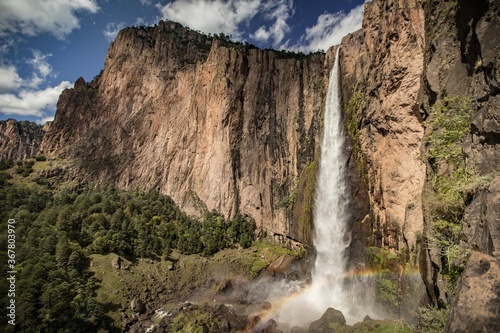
298, 329
136, 305
269, 327
117, 263
322, 325
281, 265
476, 306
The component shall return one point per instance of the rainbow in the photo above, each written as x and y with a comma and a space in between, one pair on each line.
358, 275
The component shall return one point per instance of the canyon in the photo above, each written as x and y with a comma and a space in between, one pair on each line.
227, 127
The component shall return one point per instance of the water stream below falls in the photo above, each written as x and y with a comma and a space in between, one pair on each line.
329, 287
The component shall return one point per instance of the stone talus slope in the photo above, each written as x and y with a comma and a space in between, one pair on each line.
19, 140
213, 124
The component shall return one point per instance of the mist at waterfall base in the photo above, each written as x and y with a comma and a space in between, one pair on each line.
299, 305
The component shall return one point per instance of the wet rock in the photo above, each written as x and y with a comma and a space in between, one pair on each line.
269, 327
297, 329
265, 305
280, 265
476, 306
323, 325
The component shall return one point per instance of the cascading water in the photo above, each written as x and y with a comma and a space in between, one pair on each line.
328, 288
330, 210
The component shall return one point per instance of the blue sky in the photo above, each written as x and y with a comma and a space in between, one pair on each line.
45, 45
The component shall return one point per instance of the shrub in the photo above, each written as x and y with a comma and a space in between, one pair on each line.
431, 320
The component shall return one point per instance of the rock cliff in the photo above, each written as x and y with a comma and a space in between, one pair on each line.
213, 124
381, 73
228, 127
461, 94
19, 140
420, 89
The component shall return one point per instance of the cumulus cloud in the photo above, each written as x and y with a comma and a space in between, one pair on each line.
9, 79
22, 96
112, 29
43, 120
33, 17
146, 2
212, 16
41, 69
329, 30
32, 102
279, 12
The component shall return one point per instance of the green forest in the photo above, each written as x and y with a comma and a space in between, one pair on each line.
58, 227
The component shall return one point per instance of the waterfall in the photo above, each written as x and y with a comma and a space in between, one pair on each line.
329, 287
330, 202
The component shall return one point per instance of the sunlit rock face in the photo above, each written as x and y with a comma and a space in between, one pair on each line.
213, 124
19, 139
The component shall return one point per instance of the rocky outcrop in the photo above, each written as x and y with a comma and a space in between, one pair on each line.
475, 308
381, 78
213, 124
381, 69
481, 230
462, 63
324, 324
19, 140
229, 127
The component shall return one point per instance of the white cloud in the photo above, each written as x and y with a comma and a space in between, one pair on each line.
21, 96
278, 11
146, 2
33, 17
329, 30
43, 120
41, 68
212, 16
32, 103
7, 43
9, 79
112, 29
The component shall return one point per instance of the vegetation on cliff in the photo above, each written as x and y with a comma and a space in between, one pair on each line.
58, 228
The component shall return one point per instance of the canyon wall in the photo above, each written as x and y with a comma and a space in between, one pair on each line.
381, 74
214, 124
461, 81
19, 140
224, 126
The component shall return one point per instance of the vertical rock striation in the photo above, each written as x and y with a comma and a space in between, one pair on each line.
381, 67
213, 124
462, 63
19, 140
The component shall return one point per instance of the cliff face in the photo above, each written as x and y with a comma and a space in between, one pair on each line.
229, 127
381, 69
19, 140
461, 80
214, 125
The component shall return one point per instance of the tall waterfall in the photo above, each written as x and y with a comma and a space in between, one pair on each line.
331, 199
329, 287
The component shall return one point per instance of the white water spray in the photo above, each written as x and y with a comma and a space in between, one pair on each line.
332, 238
330, 204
